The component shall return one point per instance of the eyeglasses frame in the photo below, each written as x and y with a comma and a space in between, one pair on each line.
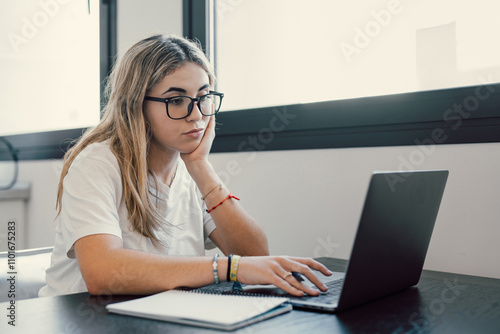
196, 100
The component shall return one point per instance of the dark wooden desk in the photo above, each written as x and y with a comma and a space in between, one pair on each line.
440, 303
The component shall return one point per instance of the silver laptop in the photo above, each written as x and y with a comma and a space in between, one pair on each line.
390, 245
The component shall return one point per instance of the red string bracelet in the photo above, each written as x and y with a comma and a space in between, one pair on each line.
228, 196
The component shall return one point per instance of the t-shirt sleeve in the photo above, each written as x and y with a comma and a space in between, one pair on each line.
209, 227
92, 190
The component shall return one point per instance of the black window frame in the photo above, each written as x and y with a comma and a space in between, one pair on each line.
417, 118
54, 144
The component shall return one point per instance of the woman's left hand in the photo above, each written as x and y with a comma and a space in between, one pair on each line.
277, 270
203, 149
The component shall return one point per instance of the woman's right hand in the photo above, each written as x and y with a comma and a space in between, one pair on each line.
275, 270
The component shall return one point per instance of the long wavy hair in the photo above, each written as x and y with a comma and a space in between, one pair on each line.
123, 123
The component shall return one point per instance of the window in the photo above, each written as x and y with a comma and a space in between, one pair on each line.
315, 74
55, 55
50, 60
309, 51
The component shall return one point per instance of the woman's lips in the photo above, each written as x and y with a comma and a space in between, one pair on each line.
195, 133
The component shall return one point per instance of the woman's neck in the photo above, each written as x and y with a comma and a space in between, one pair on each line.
163, 164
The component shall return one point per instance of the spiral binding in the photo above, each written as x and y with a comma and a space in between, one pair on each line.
225, 288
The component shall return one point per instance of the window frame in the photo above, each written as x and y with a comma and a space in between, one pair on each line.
54, 144
416, 118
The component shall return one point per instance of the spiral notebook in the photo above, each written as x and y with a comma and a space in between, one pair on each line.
226, 312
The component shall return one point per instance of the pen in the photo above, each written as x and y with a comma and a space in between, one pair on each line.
297, 276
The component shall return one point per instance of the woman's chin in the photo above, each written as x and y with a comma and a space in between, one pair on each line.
189, 148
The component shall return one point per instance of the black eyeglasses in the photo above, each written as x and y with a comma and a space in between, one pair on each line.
179, 107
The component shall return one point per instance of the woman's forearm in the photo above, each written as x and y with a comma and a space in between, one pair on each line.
114, 270
108, 269
239, 231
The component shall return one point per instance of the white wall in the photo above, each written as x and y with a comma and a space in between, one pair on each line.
43, 176
309, 201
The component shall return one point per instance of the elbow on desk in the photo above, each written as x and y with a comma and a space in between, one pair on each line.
103, 282
97, 287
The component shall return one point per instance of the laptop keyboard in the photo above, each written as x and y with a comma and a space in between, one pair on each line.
330, 296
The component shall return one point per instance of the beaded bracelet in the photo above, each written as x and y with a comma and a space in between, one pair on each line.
214, 266
228, 197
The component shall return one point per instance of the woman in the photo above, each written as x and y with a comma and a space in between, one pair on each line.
138, 200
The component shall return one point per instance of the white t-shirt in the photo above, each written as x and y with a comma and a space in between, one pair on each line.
93, 203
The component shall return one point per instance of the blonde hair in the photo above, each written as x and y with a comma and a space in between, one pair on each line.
140, 69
